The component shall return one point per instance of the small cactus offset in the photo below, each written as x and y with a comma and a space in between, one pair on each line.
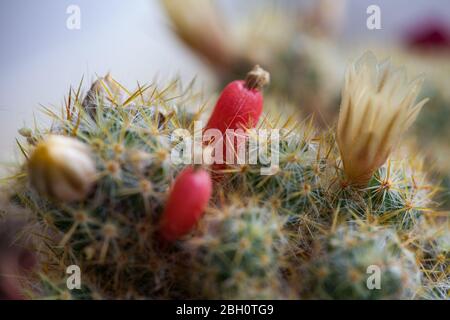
304, 219
341, 269
237, 253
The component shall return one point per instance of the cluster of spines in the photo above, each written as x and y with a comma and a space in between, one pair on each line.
431, 243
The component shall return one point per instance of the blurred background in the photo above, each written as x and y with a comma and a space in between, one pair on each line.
40, 57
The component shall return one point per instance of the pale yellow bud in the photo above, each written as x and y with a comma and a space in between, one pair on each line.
62, 168
378, 105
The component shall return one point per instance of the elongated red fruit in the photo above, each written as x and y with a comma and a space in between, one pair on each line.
187, 201
239, 107
241, 102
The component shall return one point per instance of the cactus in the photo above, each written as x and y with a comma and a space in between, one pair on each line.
309, 67
109, 231
259, 232
340, 269
237, 254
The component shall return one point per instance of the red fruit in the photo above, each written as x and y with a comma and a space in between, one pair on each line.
186, 204
241, 102
240, 105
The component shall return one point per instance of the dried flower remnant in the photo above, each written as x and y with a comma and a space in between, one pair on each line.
105, 89
377, 106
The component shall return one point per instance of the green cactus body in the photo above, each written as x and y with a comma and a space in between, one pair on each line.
342, 270
237, 255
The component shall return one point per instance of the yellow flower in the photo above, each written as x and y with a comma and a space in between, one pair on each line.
378, 105
62, 168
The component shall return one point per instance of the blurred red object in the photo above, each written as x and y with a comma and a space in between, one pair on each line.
15, 260
429, 35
